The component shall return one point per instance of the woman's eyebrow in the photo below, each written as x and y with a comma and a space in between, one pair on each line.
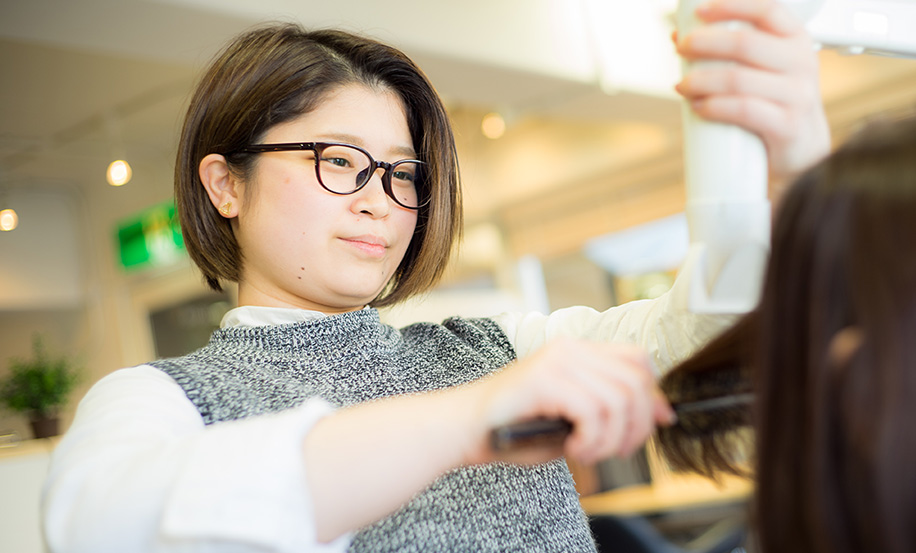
404, 151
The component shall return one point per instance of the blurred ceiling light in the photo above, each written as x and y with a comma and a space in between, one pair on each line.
482, 246
9, 220
493, 125
119, 173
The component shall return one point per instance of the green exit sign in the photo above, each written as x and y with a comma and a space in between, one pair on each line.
152, 238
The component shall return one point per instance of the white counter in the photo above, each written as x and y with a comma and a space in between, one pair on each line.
23, 466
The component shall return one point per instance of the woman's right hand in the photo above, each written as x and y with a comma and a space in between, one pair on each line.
772, 90
607, 391
376, 455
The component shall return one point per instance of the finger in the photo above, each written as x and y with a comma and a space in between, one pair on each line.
625, 391
662, 412
638, 417
736, 80
584, 410
616, 403
767, 15
524, 391
602, 391
645, 391
639, 420
747, 46
766, 119
606, 438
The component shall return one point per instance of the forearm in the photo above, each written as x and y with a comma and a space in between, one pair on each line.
664, 326
366, 461
139, 471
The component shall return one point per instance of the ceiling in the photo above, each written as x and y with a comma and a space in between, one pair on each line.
91, 78
87, 80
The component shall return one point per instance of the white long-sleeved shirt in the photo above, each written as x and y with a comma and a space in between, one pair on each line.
139, 471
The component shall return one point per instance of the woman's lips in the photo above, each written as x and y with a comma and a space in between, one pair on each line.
374, 246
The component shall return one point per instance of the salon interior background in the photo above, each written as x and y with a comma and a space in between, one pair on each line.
582, 189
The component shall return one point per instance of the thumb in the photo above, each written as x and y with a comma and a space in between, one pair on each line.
662, 411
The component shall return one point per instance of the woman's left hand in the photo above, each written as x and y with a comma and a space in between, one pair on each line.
772, 90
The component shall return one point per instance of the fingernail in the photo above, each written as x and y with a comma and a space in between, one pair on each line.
705, 7
672, 417
681, 44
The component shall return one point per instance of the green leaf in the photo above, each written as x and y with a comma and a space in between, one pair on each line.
40, 385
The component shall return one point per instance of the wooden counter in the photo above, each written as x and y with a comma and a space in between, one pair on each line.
12, 447
675, 492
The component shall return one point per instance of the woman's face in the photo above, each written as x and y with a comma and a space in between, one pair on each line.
305, 247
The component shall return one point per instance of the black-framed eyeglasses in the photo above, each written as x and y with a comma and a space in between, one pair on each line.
345, 169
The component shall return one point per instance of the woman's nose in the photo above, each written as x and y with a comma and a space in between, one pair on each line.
372, 198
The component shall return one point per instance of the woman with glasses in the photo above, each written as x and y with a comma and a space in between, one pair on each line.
317, 170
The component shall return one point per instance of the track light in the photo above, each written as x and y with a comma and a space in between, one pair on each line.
493, 125
119, 173
9, 220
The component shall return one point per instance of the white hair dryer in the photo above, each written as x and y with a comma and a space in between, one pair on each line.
728, 212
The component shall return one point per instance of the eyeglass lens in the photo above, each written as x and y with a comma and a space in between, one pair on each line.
343, 169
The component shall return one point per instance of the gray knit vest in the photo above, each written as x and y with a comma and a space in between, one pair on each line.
351, 358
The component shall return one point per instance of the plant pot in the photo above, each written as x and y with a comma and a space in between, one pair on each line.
45, 427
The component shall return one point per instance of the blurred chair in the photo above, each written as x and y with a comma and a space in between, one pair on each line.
637, 534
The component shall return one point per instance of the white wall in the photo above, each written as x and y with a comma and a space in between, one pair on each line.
21, 478
40, 264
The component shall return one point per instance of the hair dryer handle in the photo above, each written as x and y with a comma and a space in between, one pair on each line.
727, 206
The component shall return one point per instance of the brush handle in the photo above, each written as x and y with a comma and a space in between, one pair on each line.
544, 432
533, 433
713, 404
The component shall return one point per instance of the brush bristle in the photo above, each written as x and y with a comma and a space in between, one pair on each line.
713, 439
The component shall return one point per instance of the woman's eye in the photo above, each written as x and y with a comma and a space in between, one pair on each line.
403, 175
338, 161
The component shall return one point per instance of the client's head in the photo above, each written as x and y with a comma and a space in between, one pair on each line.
830, 354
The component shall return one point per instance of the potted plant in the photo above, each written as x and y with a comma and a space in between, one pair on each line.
39, 387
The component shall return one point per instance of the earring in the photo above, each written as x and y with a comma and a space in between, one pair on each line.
226, 208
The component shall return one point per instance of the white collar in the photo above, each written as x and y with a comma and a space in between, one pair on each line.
253, 315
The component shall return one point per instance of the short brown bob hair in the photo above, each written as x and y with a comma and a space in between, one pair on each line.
273, 74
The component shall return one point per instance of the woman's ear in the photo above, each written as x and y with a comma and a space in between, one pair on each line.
222, 187
844, 345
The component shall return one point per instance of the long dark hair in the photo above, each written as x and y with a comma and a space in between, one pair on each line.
834, 447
